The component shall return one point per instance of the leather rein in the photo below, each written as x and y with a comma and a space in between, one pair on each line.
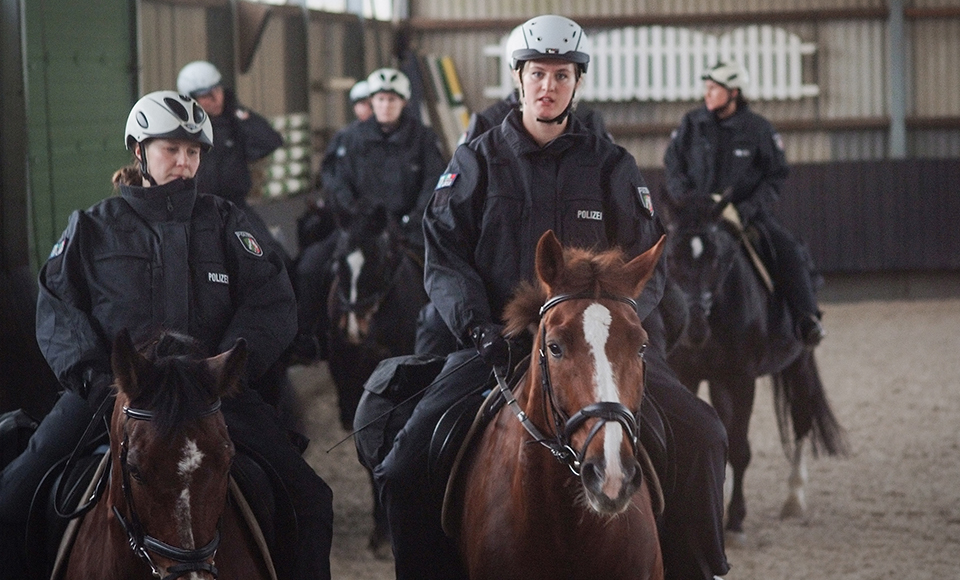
143, 544
564, 427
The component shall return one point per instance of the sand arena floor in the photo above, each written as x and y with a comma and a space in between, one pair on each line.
890, 510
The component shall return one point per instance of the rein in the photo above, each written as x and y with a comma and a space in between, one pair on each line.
606, 411
142, 543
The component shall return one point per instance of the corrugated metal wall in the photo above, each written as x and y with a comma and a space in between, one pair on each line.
849, 120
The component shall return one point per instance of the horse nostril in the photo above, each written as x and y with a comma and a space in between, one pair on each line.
592, 475
633, 473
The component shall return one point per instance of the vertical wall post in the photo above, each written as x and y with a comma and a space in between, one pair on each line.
898, 81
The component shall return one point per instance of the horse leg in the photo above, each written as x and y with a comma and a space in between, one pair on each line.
733, 401
796, 502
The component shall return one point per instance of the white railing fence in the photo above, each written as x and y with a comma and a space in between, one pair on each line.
662, 63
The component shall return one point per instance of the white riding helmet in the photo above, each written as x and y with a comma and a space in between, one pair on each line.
729, 74
198, 78
359, 91
168, 115
389, 80
551, 36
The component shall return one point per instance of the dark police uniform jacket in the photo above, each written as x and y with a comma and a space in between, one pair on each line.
502, 191
396, 170
160, 257
743, 151
240, 137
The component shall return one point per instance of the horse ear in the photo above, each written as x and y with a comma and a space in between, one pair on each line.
127, 364
643, 266
229, 368
549, 258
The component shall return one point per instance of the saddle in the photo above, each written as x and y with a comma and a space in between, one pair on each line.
459, 428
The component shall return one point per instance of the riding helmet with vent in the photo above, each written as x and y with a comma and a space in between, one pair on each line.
730, 74
551, 36
168, 115
389, 80
198, 78
359, 91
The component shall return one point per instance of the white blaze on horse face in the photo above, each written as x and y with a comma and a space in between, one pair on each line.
190, 459
696, 247
596, 331
355, 261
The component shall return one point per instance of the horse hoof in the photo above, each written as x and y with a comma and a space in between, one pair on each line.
735, 540
793, 508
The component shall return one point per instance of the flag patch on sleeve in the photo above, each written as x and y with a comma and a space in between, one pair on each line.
645, 199
249, 243
446, 180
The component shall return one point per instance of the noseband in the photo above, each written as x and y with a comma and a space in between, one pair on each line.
142, 543
605, 411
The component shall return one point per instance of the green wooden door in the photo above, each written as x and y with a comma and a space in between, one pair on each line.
81, 80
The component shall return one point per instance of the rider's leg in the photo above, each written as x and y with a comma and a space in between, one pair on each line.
312, 285
793, 277
53, 440
413, 502
692, 526
252, 425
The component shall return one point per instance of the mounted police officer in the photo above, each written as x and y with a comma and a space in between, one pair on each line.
723, 144
160, 256
540, 169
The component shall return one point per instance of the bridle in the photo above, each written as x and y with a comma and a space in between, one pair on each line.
559, 443
198, 560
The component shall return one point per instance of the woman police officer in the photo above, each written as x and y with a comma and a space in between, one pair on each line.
540, 169
161, 256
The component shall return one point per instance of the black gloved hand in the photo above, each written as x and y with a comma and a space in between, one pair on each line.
493, 348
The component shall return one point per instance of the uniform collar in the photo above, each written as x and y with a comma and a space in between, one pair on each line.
522, 143
162, 203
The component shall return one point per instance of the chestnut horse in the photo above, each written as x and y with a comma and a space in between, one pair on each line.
558, 485
170, 457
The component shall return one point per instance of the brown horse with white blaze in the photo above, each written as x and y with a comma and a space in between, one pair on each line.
590, 514
166, 513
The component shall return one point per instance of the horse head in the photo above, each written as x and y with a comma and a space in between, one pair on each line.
588, 385
171, 452
366, 257
699, 255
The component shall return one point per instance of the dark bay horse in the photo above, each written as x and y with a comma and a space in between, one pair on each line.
589, 515
737, 331
169, 461
376, 295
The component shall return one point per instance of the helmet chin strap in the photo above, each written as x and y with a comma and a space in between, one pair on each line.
559, 119
143, 165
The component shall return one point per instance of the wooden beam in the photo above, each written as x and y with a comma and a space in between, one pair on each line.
482, 24
801, 125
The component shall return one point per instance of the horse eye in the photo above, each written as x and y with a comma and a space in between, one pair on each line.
135, 473
555, 349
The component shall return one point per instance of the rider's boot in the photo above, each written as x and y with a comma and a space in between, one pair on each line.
810, 329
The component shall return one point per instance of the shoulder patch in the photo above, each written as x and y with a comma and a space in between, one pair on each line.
645, 199
778, 141
57, 248
249, 243
446, 180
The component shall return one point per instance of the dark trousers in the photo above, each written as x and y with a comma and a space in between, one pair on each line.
252, 424
791, 268
692, 526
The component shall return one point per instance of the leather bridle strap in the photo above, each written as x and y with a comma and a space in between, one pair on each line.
143, 544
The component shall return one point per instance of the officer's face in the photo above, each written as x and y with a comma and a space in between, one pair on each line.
548, 87
719, 98
212, 102
169, 159
387, 107
362, 109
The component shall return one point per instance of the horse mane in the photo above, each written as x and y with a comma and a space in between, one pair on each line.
588, 272
179, 387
